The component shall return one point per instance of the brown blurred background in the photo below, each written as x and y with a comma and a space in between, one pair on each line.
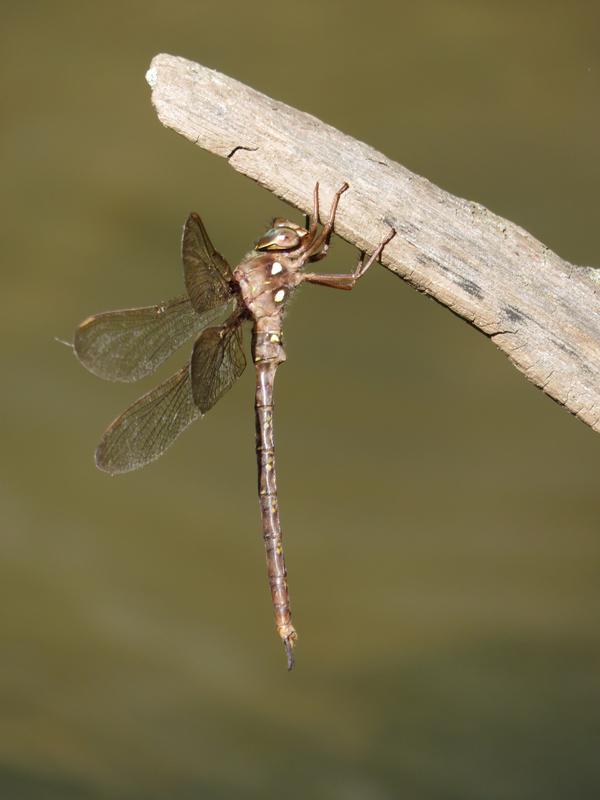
441, 514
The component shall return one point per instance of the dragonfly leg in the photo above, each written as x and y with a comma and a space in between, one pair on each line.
316, 216
319, 242
312, 220
348, 281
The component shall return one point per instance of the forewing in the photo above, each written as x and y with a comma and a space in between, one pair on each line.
129, 344
217, 362
207, 274
144, 431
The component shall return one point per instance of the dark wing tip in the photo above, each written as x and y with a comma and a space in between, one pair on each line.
193, 217
193, 221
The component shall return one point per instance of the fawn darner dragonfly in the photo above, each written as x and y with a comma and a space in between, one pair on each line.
130, 344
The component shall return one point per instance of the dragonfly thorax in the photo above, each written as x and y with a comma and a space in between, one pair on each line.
266, 280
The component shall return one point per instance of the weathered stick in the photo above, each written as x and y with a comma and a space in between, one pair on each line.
543, 312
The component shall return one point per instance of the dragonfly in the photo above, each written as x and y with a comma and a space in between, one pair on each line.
130, 344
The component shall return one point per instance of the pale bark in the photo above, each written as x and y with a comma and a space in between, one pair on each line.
542, 311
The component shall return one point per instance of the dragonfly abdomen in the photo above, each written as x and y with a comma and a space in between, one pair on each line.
267, 492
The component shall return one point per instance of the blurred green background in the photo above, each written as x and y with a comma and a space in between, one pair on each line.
441, 515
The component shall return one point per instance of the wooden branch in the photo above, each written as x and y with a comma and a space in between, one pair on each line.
543, 312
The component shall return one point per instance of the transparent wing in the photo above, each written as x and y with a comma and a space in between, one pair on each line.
129, 344
217, 362
207, 274
144, 431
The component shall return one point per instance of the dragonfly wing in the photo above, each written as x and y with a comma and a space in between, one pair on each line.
217, 362
207, 274
129, 344
144, 431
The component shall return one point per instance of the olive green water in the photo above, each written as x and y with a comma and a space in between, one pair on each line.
441, 515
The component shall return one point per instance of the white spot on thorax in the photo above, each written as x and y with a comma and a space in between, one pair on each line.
276, 268
279, 295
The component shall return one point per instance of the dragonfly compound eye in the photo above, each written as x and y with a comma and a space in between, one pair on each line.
282, 222
282, 238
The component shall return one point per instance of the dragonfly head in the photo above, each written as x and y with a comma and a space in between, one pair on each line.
282, 235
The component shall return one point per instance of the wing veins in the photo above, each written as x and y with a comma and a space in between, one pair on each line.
129, 344
148, 426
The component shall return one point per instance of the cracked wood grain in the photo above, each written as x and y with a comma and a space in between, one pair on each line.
540, 310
